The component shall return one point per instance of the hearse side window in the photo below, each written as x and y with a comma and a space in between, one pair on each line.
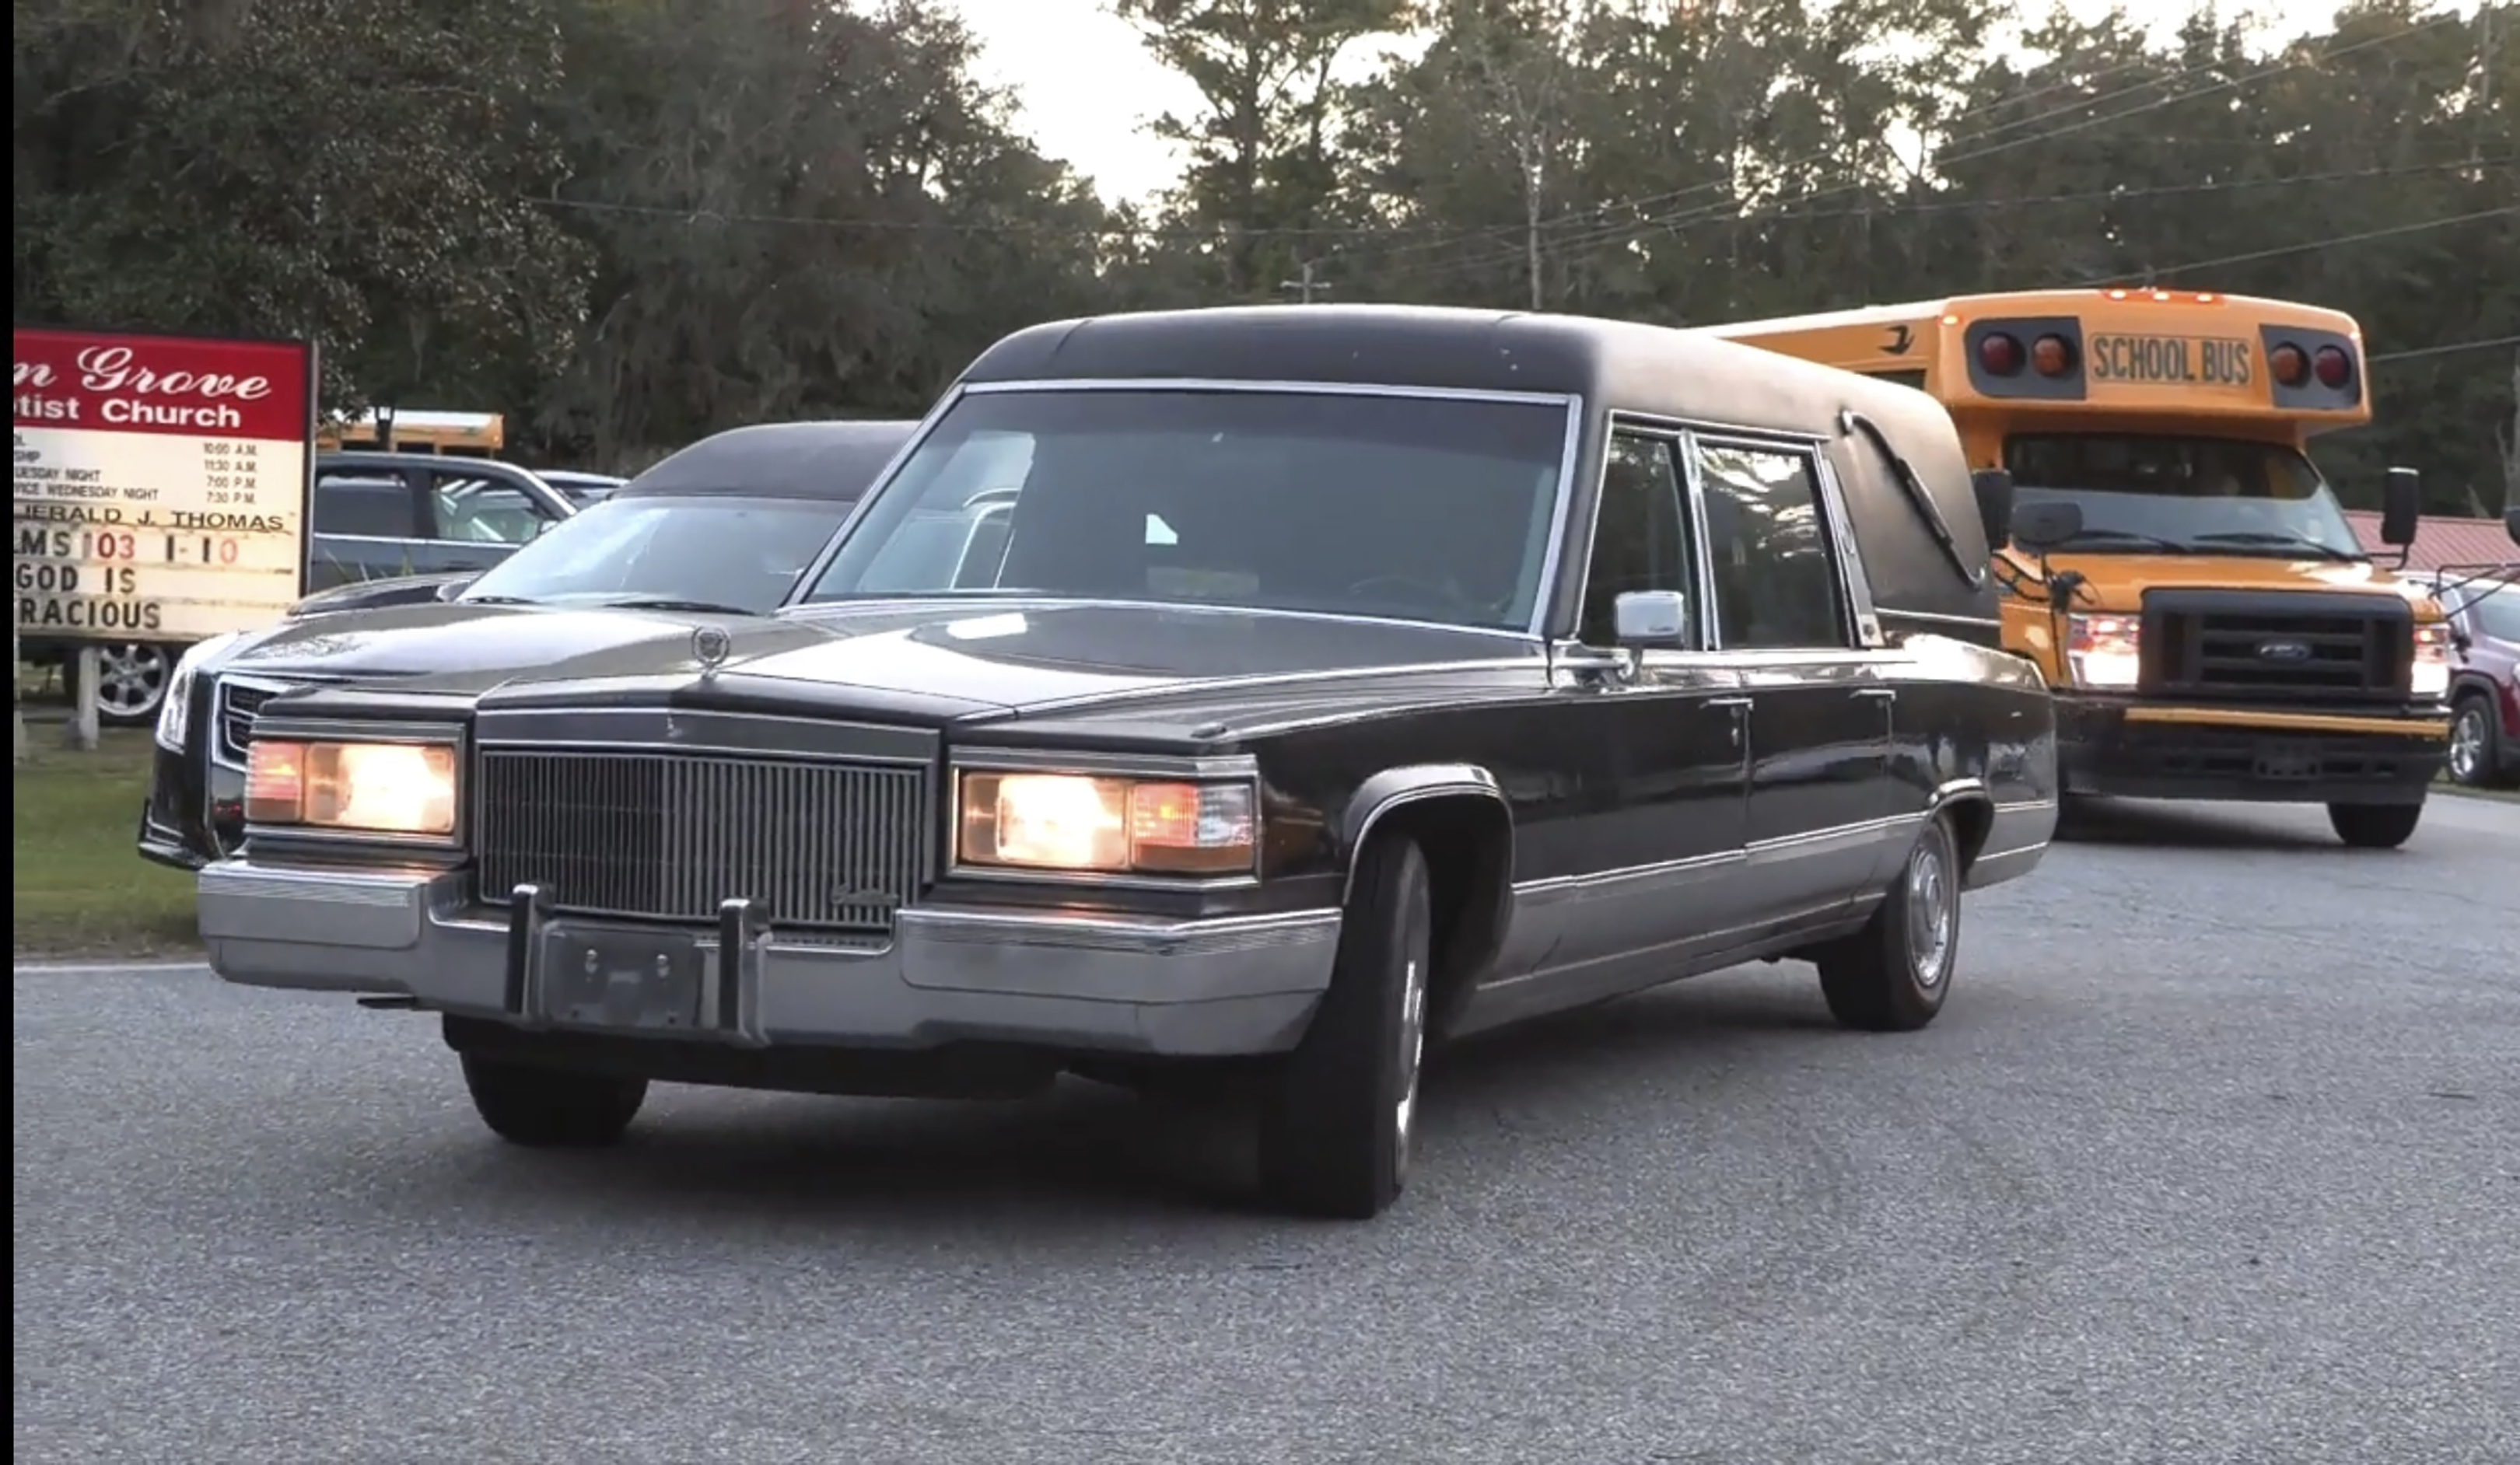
1432, 508
1640, 540
1775, 586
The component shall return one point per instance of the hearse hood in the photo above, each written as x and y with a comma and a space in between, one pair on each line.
934, 662
454, 636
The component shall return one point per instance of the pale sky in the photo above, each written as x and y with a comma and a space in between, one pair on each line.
1087, 86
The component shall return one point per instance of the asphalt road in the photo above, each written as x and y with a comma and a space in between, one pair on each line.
2215, 1157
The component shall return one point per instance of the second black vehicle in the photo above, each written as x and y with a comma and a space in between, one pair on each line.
720, 528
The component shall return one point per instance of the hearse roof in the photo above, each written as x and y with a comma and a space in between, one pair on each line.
1617, 364
1614, 365
834, 460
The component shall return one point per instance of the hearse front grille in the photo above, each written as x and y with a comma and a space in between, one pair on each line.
2278, 646
667, 836
233, 706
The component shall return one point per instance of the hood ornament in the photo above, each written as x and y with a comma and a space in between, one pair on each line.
711, 645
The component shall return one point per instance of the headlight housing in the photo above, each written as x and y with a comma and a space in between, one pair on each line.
1082, 824
2429, 676
175, 714
2104, 651
352, 788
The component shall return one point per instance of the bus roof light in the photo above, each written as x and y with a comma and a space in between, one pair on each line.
2052, 355
2290, 366
2000, 354
2335, 369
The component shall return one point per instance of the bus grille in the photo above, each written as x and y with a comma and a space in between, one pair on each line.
831, 846
2289, 647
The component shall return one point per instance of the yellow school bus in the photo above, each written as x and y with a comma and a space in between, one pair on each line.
467, 434
2212, 629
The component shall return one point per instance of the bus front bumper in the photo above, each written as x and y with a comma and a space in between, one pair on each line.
2116, 747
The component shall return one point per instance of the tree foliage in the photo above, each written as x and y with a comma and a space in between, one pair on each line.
626, 223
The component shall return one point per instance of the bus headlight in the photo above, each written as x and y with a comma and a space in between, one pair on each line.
1082, 825
2104, 651
2429, 678
355, 788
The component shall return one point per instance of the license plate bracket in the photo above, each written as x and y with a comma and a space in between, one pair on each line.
615, 981
2284, 764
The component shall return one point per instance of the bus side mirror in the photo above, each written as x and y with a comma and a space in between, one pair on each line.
2402, 504
2511, 522
2042, 527
1994, 489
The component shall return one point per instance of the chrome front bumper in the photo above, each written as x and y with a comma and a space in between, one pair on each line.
1241, 985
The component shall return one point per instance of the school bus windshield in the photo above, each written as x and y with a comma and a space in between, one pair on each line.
2153, 494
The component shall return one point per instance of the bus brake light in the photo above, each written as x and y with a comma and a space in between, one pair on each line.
2052, 355
2000, 354
2290, 366
2335, 369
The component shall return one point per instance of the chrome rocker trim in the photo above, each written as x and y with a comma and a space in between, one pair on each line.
1241, 985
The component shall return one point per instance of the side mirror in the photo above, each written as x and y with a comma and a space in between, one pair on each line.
449, 588
1650, 619
2042, 527
1994, 489
2402, 504
2511, 522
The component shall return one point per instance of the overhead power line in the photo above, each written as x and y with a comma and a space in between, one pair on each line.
2454, 348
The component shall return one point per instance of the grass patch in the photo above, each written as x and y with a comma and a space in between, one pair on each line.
79, 885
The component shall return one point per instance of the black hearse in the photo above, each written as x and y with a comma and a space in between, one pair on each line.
719, 528
1265, 690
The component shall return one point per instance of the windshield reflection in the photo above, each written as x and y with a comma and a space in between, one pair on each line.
2160, 494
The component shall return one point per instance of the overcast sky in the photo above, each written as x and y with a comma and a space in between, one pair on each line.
1086, 84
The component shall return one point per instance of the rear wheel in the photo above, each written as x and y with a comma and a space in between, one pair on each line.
1340, 1116
2375, 827
2471, 743
130, 682
1892, 976
545, 1108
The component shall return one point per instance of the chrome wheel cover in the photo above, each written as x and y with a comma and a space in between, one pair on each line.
130, 680
1932, 913
2467, 744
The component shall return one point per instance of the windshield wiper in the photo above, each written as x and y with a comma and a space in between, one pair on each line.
2286, 540
669, 602
2131, 536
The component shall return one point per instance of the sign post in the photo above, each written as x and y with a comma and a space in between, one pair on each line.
160, 491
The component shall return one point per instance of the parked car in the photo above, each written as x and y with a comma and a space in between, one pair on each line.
2485, 685
720, 529
1338, 679
378, 516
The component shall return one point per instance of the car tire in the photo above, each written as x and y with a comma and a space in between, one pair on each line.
545, 1108
2471, 743
131, 685
2375, 827
1338, 1118
1893, 975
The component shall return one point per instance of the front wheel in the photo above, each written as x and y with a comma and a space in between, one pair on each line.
1892, 976
2471, 743
545, 1108
2375, 827
1340, 1116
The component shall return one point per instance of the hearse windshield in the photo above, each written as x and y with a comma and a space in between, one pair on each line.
741, 553
1430, 509
2151, 495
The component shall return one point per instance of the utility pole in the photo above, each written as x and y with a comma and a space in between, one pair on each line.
1304, 287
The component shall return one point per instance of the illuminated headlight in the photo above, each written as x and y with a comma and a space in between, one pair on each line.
2430, 676
175, 714
363, 787
1070, 822
2103, 650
